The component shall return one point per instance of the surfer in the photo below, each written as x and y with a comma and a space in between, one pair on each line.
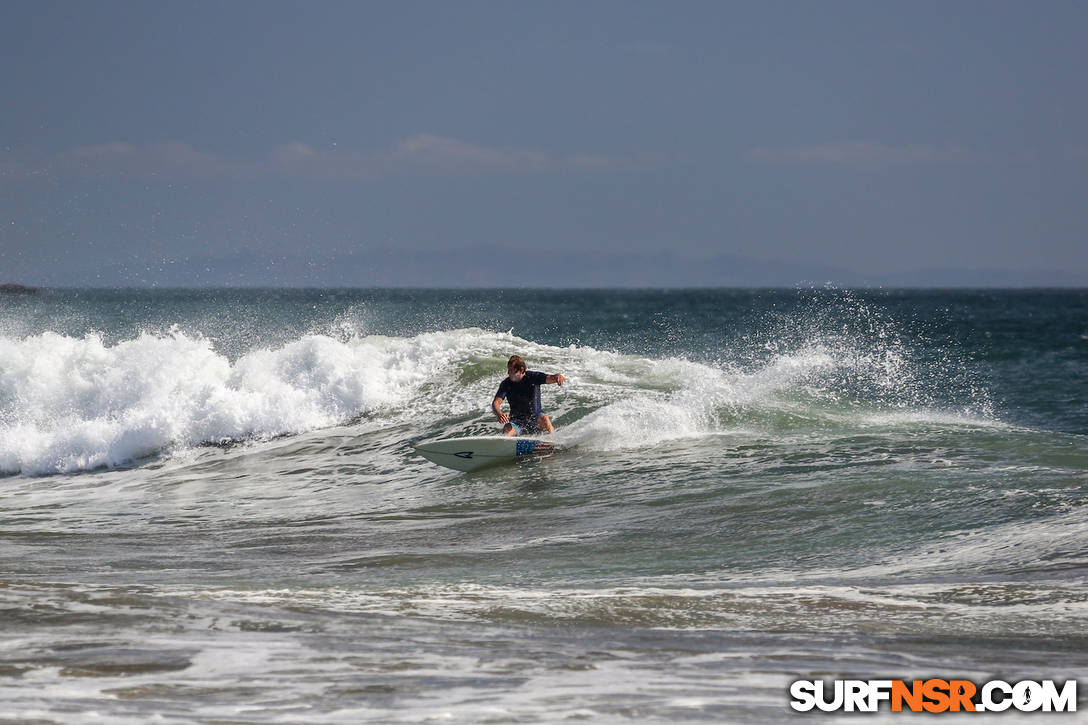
521, 389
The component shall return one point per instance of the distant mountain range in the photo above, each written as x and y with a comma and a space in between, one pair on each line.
492, 267
17, 289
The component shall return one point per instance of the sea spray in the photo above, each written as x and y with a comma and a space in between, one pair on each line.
762, 486
78, 404
72, 404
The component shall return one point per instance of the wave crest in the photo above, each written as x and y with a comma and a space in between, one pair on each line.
74, 404
71, 404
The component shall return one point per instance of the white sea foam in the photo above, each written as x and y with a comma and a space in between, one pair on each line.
72, 404
647, 602
75, 404
673, 399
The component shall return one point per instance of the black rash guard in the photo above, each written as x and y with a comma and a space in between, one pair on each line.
523, 397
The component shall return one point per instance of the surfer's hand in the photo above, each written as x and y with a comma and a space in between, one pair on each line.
560, 379
504, 418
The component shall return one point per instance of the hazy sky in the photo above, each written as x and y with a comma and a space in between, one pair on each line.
407, 142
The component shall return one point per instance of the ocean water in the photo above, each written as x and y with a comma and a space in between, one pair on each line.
210, 510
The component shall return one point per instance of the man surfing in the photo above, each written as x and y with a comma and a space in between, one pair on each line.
521, 389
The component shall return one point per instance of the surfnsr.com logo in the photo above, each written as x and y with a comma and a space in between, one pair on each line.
933, 695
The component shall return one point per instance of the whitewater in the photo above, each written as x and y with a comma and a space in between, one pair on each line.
211, 509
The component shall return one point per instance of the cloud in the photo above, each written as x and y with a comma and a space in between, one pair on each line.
445, 155
863, 154
430, 155
158, 159
421, 155
298, 159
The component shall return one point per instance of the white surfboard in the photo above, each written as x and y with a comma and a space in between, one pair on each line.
470, 454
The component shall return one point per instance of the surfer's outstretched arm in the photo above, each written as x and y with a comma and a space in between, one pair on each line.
557, 378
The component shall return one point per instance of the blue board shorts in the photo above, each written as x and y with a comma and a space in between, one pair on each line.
523, 426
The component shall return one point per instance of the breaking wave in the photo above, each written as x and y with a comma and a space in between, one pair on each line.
74, 404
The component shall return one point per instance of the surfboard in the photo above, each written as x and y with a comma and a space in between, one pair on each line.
470, 454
